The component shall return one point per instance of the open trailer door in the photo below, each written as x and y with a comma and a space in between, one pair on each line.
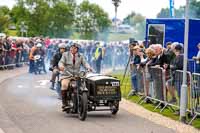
156, 33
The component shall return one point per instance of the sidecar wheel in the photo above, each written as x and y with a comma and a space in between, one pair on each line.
83, 106
115, 109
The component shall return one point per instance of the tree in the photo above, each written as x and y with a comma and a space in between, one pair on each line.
194, 9
4, 10
129, 18
165, 13
62, 18
133, 19
91, 19
137, 21
4, 18
44, 17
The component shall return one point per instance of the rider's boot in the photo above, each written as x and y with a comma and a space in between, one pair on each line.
64, 100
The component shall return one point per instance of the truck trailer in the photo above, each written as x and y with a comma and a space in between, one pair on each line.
161, 31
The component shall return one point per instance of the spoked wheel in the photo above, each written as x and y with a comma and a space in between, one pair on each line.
83, 106
115, 108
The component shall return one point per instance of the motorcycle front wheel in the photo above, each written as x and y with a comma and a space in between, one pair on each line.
83, 106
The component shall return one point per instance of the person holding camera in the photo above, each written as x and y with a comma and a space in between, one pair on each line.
134, 65
54, 64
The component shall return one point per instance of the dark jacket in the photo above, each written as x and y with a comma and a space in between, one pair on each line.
40, 52
178, 63
161, 60
56, 59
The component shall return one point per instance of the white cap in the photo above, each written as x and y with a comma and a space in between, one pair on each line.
39, 45
62, 45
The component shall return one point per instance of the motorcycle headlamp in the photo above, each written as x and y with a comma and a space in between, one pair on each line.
73, 84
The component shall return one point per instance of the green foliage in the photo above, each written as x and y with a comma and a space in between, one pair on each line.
4, 10
137, 21
165, 13
128, 19
44, 17
56, 18
62, 17
194, 11
133, 19
4, 18
91, 19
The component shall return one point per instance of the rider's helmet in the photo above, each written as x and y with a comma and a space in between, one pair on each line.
75, 45
39, 45
62, 45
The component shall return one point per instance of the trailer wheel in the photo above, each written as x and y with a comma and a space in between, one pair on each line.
115, 108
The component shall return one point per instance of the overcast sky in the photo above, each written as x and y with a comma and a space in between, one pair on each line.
148, 8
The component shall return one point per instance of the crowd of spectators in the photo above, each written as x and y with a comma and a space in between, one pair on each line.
13, 51
111, 53
169, 59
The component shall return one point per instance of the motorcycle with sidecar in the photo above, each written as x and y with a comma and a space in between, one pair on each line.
93, 92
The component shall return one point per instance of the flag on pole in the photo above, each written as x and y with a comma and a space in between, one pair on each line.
172, 14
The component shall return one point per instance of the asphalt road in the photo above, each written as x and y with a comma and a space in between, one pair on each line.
28, 106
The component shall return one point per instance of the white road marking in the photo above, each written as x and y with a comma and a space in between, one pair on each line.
20, 86
43, 82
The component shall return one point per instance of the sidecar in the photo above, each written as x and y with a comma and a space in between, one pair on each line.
104, 93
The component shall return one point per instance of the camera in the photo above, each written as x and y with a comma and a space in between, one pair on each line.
50, 68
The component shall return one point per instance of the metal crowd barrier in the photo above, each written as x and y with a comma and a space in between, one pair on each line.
140, 75
176, 84
3, 67
154, 82
191, 65
139, 81
154, 88
195, 95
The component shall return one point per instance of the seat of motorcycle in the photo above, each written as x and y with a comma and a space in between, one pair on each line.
96, 77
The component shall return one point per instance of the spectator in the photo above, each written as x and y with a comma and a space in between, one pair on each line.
98, 56
197, 58
7, 49
31, 59
134, 64
19, 47
150, 53
177, 65
1, 53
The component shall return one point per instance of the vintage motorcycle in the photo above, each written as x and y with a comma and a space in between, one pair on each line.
77, 96
91, 92
38, 64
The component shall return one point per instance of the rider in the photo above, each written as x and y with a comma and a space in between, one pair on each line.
70, 63
54, 63
40, 51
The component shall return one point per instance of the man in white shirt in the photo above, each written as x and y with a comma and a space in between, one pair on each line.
197, 58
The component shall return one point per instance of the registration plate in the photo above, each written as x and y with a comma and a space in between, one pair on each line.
106, 90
